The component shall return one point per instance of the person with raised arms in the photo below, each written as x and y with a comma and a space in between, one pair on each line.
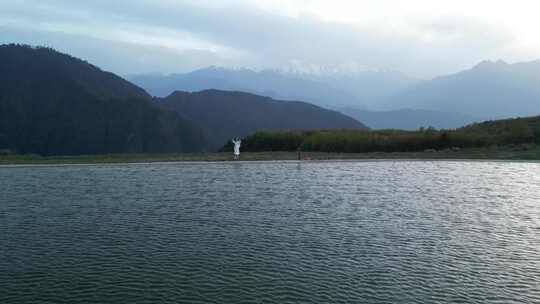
237, 142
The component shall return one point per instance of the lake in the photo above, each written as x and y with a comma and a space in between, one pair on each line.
277, 232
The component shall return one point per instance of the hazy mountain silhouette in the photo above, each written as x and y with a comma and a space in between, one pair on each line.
489, 90
370, 86
268, 83
352, 93
360, 89
52, 103
226, 114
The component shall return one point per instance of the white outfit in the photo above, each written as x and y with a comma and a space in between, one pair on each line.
237, 144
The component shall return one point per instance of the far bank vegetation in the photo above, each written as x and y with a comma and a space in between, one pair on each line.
519, 132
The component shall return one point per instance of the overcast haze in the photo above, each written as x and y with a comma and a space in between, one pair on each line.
421, 38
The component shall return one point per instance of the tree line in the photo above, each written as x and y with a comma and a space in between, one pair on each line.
490, 133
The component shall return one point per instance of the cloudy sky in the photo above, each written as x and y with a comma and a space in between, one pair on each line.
422, 38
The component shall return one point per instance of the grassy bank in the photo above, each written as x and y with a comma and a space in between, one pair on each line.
531, 152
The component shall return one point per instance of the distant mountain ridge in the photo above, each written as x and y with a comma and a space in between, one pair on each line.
353, 93
489, 90
359, 89
336, 90
268, 83
371, 87
227, 114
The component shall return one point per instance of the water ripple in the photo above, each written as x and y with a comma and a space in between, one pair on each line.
366, 232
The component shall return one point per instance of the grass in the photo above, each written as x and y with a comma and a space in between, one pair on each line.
531, 152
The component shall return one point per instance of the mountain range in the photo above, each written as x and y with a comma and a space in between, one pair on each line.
382, 99
490, 90
362, 89
54, 104
267, 83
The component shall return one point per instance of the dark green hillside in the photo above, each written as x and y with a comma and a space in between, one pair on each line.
54, 104
511, 132
508, 131
25, 68
228, 114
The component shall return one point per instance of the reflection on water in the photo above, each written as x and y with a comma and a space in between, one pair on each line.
345, 232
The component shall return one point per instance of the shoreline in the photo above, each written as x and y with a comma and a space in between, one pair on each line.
367, 160
476, 154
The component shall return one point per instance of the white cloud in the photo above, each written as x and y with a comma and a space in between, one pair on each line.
420, 37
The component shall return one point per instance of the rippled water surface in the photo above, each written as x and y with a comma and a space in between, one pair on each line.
337, 232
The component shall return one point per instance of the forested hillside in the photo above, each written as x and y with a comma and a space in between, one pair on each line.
229, 114
52, 103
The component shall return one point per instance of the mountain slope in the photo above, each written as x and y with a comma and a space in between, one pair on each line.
25, 64
490, 90
52, 103
227, 114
